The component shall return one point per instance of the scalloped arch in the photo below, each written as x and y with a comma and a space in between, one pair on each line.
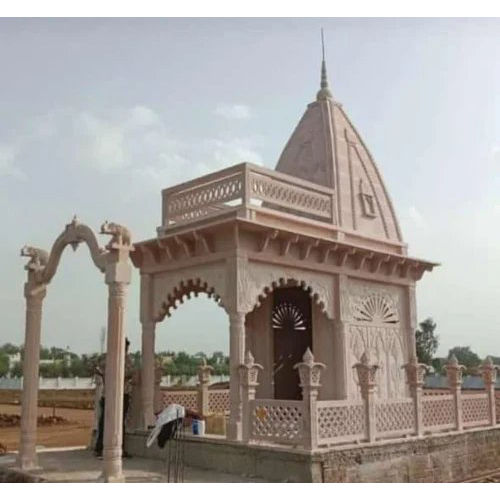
259, 280
184, 290
284, 282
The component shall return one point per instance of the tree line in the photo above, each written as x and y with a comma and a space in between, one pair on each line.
64, 363
58, 362
427, 342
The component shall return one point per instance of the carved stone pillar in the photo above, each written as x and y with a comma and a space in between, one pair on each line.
489, 375
454, 372
366, 380
148, 373
236, 359
249, 373
415, 373
117, 278
29, 410
310, 377
204, 372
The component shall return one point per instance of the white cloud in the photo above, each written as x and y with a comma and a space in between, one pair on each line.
227, 152
7, 163
495, 153
233, 111
135, 142
417, 218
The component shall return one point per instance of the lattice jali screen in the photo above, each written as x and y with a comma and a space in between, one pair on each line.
201, 200
475, 409
339, 421
288, 195
218, 401
277, 421
396, 416
188, 399
438, 412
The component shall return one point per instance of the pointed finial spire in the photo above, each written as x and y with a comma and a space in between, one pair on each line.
324, 92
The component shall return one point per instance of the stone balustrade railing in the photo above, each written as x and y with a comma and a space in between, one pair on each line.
246, 187
315, 423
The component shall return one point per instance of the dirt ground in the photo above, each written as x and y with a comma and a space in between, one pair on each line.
74, 433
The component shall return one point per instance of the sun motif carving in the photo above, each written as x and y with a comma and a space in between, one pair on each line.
288, 316
375, 308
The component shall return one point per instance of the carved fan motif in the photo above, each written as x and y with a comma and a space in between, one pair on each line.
288, 316
375, 309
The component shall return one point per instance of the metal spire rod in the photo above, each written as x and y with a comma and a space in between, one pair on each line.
324, 92
322, 44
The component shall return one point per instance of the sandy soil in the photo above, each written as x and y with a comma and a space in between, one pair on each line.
75, 433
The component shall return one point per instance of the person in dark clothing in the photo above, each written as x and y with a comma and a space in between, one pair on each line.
100, 371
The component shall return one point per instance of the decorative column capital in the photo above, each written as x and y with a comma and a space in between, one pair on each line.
488, 372
309, 371
204, 372
454, 372
415, 373
249, 371
366, 374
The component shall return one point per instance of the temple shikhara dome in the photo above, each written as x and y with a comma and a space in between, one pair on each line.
325, 148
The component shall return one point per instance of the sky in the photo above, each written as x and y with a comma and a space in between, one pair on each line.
99, 115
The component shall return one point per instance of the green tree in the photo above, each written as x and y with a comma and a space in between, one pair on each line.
466, 357
9, 348
427, 341
17, 370
4, 364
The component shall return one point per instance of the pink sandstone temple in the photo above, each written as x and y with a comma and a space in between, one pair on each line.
309, 263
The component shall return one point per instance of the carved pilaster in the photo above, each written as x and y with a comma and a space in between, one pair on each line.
236, 359
415, 375
204, 373
454, 373
117, 274
34, 295
489, 376
249, 373
148, 373
367, 384
310, 382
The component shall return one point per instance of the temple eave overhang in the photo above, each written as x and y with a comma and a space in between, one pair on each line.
215, 240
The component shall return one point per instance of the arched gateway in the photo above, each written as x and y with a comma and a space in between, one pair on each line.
42, 266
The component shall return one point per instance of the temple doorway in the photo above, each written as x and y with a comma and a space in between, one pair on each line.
292, 335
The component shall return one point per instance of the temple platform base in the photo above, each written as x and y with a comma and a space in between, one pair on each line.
447, 457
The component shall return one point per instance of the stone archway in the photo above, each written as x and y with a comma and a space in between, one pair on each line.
41, 268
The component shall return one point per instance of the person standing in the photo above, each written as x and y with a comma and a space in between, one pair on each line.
100, 371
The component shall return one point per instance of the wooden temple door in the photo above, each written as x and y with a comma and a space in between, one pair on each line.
292, 332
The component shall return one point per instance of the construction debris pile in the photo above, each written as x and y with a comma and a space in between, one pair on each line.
12, 420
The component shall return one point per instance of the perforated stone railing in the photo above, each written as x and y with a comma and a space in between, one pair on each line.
188, 399
249, 187
277, 421
438, 412
340, 422
395, 417
475, 410
218, 401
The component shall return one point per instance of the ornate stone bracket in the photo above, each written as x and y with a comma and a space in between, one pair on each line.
415, 373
